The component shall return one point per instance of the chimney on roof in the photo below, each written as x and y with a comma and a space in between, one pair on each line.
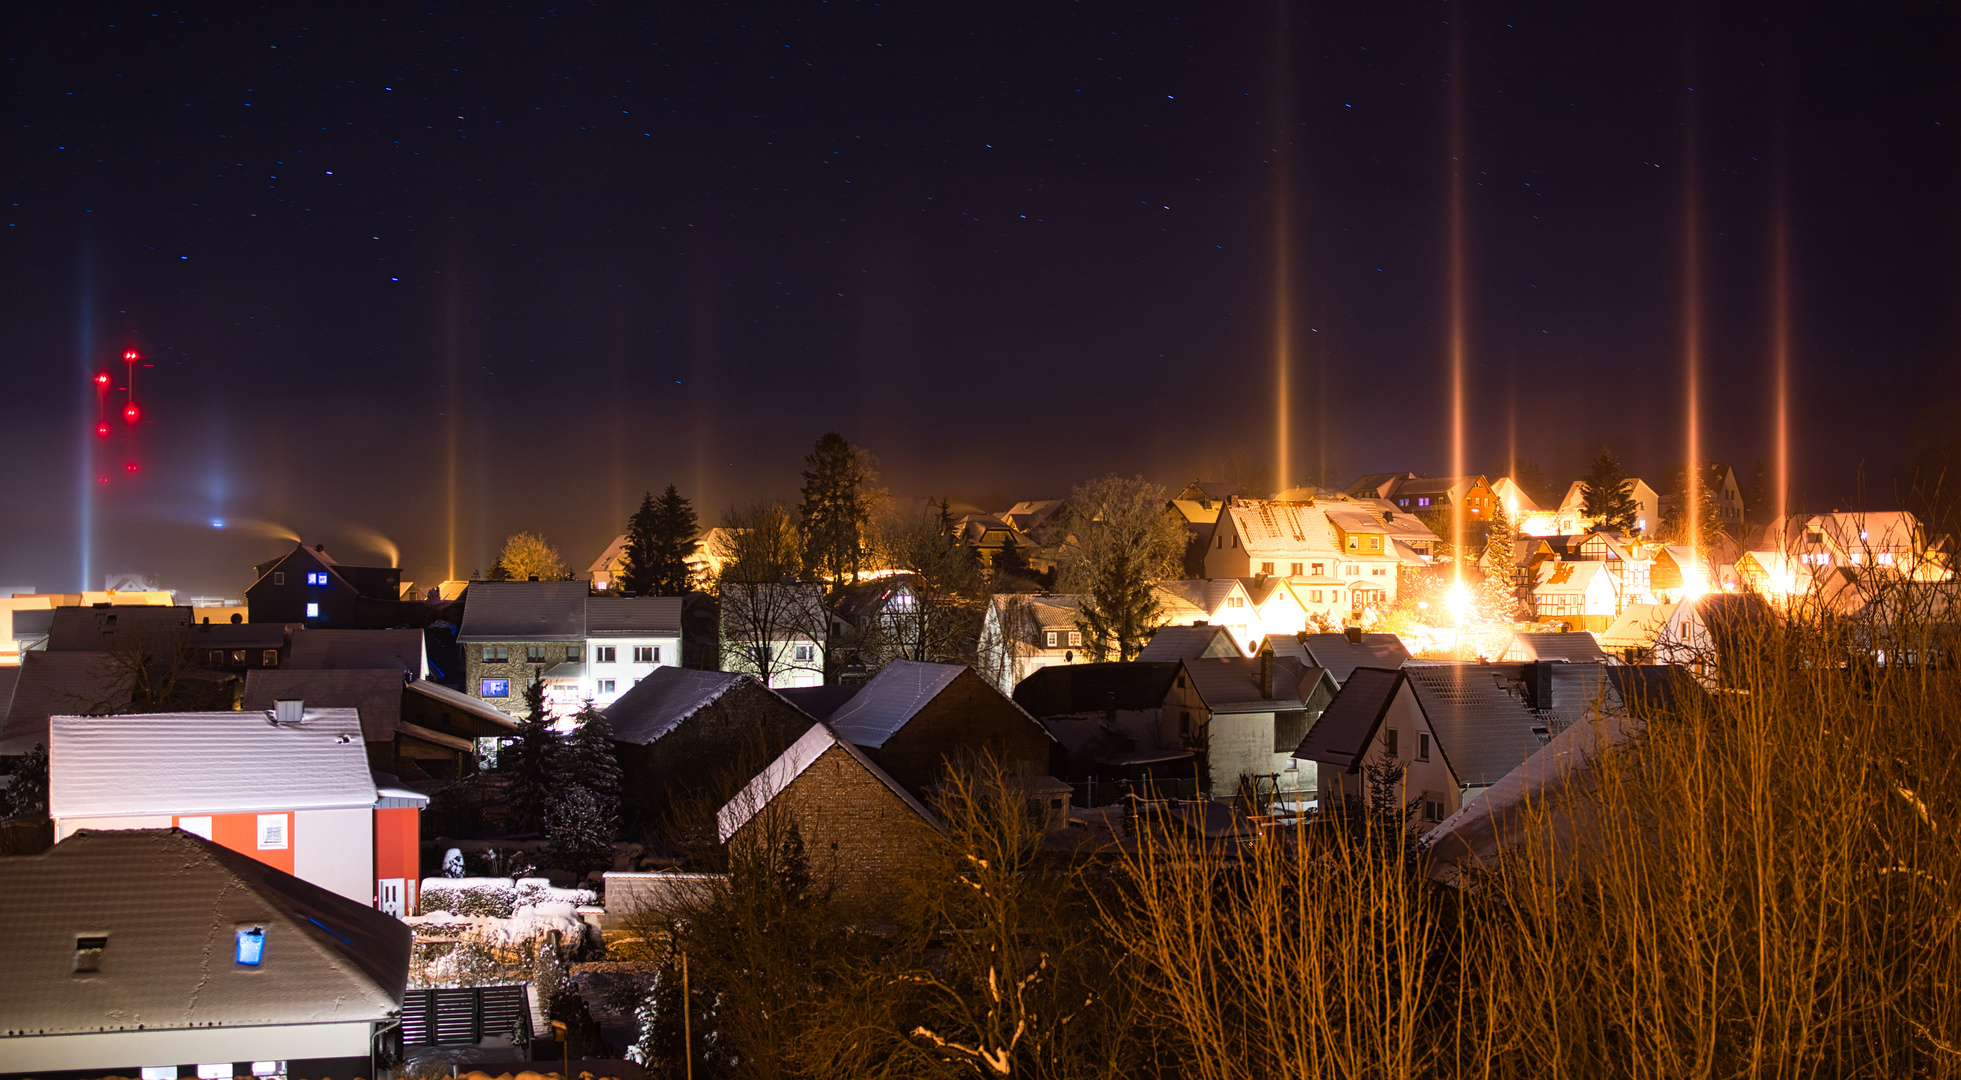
287, 711
320, 548
1266, 674
1353, 634
533, 577
1542, 684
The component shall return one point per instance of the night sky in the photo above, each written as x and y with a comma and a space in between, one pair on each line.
598, 248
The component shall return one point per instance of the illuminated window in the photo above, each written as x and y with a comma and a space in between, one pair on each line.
270, 658
1885, 558
534, 654
251, 948
238, 656
1051, 638
1423, 502
1076, 638
313, 611
496, 654
495, 688
606, 654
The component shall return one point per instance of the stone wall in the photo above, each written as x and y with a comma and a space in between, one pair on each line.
969, 717
859, 834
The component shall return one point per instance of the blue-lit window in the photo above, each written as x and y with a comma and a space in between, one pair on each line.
496, 688
313, 611
316, 577
251, 946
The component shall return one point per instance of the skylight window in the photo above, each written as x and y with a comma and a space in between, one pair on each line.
251, 948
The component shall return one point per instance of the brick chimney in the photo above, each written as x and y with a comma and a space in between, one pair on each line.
1353, 633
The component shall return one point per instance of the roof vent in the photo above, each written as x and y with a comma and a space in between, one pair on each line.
287, 711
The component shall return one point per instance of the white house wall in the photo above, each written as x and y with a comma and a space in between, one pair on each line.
624, 671
1241, 744
135, 1049
1406, 718
334, 849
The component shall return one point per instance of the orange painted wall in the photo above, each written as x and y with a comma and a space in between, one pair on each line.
398, 848
240, 832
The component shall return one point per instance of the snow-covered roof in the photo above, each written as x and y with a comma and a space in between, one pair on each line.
1579, 648
892, 697
65, 682
168, 904
1188, 643
375, 694
324, 649
1568, 577
821, 739
1232, 684
633, 616
1341, 656
614, 553
214, 762
658, 703
1271, 529
524, 611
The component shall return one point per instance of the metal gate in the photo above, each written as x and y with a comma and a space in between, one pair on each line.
464, 1015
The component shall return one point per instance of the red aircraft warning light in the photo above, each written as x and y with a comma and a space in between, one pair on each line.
102, 379
131, 467
129, 412
130, 355
102, 430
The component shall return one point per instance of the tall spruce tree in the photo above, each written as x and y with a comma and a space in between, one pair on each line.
531, 761
1497, 595
584, 812
1607, 495
674, 531
837, 508
637, 576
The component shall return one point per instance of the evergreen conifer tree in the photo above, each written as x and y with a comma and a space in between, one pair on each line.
584, 813
637, 576
1607, 496
837, 508
673, 539
1497, 598
531, 761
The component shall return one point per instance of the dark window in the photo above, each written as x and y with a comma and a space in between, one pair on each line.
1422, 746
606, 654
1389, 741
534, 654
270, 659
238, 656
574, 652
279, 577
496, 654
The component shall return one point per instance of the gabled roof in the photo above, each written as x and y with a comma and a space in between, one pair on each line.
1637, 626
1031, 514
1188, 643
373, 694
239, 635
1186, 597
892, 697
1232, 684
524, 611
1341, 656
1061, 689
614, 552
1281, 529
1482, 731
217, 762
319, 650
659, 703
1356, 520
122, 626
792, 763
633, 616
1579, 648
1575, 576
1346, 727
1378, 485
169, 902
52, 683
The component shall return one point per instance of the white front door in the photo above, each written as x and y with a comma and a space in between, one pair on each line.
391, 896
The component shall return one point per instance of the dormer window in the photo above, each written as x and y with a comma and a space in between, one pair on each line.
88, 952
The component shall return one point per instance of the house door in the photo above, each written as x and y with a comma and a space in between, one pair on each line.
391, 896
